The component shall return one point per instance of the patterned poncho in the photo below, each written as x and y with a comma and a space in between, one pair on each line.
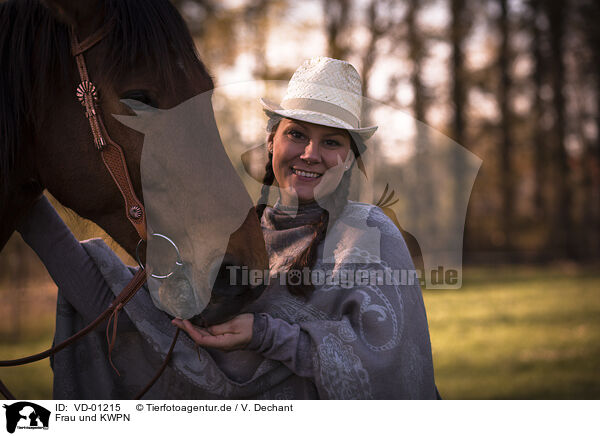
361, 334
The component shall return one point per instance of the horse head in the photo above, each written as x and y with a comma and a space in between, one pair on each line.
146, 55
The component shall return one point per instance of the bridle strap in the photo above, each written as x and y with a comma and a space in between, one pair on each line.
78, 48
111, 152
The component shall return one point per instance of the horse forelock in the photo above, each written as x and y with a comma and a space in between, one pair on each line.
36, 60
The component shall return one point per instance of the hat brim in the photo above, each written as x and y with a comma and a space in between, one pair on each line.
316, 118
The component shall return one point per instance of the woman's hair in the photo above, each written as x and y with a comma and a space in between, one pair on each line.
308, 257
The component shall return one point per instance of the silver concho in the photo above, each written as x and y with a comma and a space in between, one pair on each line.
86, 88
135, 212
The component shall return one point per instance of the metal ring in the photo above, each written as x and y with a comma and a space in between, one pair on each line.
178, 262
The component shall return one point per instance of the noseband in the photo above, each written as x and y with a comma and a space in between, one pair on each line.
114, 159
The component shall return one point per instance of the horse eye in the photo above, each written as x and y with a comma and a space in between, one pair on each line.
141, 96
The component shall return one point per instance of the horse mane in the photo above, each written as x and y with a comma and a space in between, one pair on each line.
35, 58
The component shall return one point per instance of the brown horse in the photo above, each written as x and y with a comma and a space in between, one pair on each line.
147, 55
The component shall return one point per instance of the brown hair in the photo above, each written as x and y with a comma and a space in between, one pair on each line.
308, 257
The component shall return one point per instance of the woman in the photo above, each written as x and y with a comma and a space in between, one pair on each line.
370, 341
329, 325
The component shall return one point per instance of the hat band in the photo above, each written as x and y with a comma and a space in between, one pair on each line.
323, 107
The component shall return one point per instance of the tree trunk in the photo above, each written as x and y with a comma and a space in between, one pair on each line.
458, 30
538, 110
562, 228
423, 198
336, 14
506, 147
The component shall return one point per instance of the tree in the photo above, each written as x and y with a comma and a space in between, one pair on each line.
506, 145
459, 27
337, 14
538, 137
562, 220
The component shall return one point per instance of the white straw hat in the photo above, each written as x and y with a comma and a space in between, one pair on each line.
324, 91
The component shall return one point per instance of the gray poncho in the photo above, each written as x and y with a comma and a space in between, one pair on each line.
347, 340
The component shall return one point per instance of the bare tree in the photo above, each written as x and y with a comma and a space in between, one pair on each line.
587, 21
337, 13
562, 220
540, 158
459, 27
506, 143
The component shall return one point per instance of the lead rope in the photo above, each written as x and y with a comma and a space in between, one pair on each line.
5, 392
111, 342
161, 369
126, 294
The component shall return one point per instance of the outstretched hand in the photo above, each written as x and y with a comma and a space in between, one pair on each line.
231, 335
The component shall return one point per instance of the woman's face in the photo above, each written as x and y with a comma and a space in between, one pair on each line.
309, 160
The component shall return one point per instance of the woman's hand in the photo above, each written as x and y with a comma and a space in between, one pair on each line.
231, 335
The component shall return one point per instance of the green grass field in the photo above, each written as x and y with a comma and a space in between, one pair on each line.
518, 333
508, 333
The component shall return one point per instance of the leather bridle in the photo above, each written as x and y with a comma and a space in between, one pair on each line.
114, 160
111, 152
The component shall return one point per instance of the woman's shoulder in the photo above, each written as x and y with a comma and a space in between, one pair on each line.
366, 228
372, 215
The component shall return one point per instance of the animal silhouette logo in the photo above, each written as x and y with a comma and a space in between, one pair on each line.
26, 415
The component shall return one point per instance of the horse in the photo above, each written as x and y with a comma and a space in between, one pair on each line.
140, 51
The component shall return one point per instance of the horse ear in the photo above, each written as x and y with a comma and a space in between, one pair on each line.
76, 13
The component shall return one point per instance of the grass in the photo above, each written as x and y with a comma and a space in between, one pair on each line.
508, 333
518, 333
34, 380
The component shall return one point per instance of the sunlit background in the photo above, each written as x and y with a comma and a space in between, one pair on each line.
516, 83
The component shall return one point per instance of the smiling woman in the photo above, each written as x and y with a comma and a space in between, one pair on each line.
353, 335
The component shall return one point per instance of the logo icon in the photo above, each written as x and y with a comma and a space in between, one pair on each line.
26, 415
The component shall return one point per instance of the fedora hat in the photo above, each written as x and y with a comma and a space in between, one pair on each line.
324, 91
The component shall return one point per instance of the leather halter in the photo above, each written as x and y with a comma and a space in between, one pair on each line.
114, 160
